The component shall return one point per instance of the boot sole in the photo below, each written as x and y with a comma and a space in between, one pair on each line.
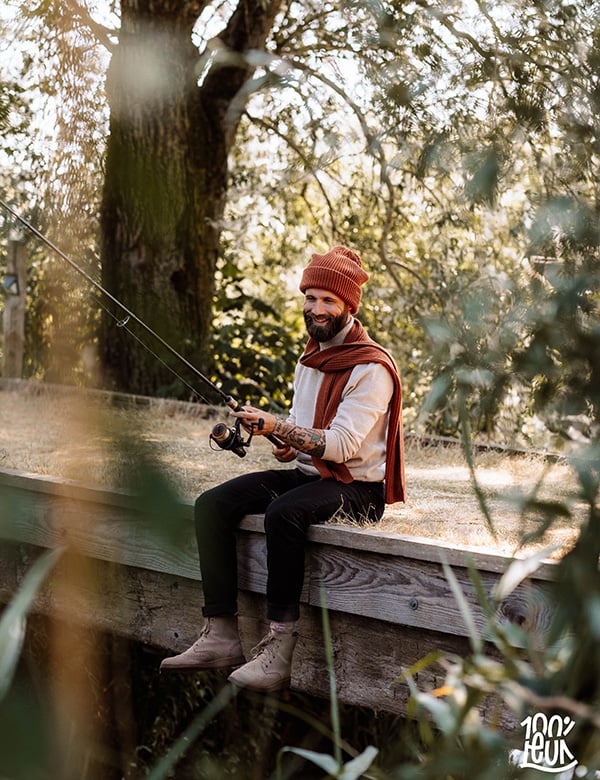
280, 686
226, 663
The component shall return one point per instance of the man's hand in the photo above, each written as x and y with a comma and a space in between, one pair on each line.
308, 440
256, 420
285, 453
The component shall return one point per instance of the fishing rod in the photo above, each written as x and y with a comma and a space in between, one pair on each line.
224, 436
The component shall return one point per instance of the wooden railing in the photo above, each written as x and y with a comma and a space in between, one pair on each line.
389, 599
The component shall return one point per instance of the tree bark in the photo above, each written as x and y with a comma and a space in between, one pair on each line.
166, 182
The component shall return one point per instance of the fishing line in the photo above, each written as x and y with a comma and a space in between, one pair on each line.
223, 436
122, 323
130, 315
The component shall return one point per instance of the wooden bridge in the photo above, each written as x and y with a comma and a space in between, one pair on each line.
389, 599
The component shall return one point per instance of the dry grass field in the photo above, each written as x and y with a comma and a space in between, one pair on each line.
84, 437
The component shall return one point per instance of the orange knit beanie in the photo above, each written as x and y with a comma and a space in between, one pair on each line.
339, 271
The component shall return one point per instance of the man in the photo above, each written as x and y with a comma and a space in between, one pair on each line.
344, 432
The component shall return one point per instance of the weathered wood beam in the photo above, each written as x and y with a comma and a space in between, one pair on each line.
389, 598
164, 611
384, 576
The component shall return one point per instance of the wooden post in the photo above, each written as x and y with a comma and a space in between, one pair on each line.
14, 311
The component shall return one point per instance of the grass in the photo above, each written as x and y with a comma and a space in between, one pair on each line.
84, 437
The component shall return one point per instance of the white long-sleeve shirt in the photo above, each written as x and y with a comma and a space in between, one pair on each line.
357, 433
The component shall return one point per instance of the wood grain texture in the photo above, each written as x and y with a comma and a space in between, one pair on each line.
138, 576
164, 611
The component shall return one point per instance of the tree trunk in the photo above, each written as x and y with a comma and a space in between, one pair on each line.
166, 184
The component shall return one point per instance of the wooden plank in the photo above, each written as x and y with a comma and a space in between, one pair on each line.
361, 574
394, 589
368, 539
146, 606
49, 512
408, 592
164, 611
68, 488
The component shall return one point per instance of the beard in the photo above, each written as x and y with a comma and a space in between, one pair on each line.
326, 330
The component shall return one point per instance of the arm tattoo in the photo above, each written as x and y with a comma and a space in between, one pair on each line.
308, 440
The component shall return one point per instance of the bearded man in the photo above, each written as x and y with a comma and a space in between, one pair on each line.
344, 434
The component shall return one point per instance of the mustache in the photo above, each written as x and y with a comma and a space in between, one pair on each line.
322, 318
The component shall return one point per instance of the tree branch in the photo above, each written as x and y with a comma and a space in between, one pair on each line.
375, 148
309, 166
246, 31
99, 31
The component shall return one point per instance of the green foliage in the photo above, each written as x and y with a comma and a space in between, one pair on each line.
191, 733
529, 673
352, 770
333, 765
12, 622
256, 337
15, 119
543, 342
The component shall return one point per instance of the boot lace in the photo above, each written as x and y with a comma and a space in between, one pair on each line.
265, 644
204, 632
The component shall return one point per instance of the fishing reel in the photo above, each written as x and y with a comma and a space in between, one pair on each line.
230, 438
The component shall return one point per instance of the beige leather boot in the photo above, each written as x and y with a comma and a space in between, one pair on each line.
271, 666
218, 647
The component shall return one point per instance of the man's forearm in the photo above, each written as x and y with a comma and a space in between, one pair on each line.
308, 440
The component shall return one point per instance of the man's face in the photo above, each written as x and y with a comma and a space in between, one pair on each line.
324, 314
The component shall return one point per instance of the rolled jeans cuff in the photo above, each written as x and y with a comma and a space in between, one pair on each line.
219, 610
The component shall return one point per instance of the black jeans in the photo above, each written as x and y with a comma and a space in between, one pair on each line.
291, 502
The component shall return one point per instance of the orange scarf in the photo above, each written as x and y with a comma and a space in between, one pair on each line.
337, 364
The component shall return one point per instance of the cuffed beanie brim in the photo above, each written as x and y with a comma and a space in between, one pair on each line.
340, 271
